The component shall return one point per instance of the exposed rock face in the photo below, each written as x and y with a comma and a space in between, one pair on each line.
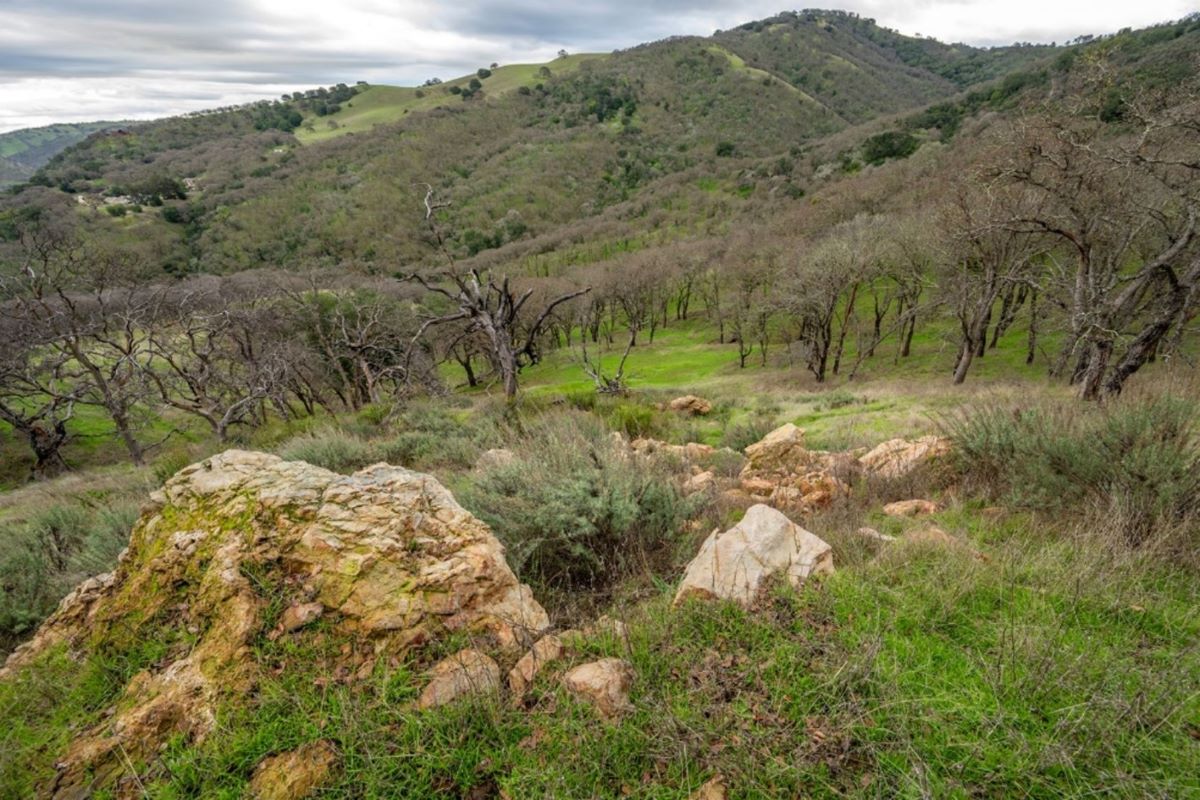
295, 774
733, 565
466, 673
604, 684
898, 458
386, 551
910, 508
691, 404
544, 651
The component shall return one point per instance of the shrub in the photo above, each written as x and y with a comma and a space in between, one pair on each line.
1136, 462
742, 434
330, 448
45, 557
574, 510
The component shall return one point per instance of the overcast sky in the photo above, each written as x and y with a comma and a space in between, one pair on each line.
74, 60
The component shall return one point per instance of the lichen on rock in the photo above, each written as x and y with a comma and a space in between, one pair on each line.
388, 554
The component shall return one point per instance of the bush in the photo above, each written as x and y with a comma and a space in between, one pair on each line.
574, 510
44, 558
1135, 462
331, 449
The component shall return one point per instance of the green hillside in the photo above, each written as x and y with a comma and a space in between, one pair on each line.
23, 152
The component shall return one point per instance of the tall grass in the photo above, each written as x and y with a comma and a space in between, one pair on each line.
44, 557
1133, 464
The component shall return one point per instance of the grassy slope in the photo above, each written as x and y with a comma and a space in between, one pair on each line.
381, 104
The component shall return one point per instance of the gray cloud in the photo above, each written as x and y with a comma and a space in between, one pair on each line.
82, 59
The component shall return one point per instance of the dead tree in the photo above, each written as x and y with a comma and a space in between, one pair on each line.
491, 307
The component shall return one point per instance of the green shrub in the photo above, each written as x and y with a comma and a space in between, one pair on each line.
742, 434
45, 557
1136, 462
330, 448
573, 509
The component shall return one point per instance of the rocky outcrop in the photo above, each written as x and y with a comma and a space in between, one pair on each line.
467, 673
603, 684
691, 404
386, 557
899, 458
784, 473
735, 564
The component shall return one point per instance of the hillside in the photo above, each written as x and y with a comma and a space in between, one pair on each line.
801, 411
23, 152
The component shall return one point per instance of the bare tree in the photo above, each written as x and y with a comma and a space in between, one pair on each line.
489, 305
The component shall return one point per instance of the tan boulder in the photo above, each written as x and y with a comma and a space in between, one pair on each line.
898, 458
296, 774
389, 550
691, 404
544, 651
779, 451
467, 673
734, 564
910, 508
700, 482
758, 487
604, 684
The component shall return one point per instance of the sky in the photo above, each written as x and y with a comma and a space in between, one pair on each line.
79, 60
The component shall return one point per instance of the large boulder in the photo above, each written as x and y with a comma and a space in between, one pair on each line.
386, 557
781, 450
735, 564
899, 458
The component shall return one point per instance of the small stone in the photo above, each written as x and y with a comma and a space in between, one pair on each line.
466, 673
298, 615
544, 651
910, 508
700, 482
604, 684
871, 533
295, 774
713, 789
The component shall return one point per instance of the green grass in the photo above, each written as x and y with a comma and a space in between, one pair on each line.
381, 104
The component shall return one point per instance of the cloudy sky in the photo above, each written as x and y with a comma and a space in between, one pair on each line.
71, 60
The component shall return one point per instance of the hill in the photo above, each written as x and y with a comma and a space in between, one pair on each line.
23, 152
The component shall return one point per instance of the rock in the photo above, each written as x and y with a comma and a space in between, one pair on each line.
297, 616
604, 684
700, 482
779, 451
496, 457
691, 404
898, 458
544, 651
910, 508
467, 673
386, 549
687, 453
295, 774
871, 533
733, 565
604, 626
757, 487
713, 789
